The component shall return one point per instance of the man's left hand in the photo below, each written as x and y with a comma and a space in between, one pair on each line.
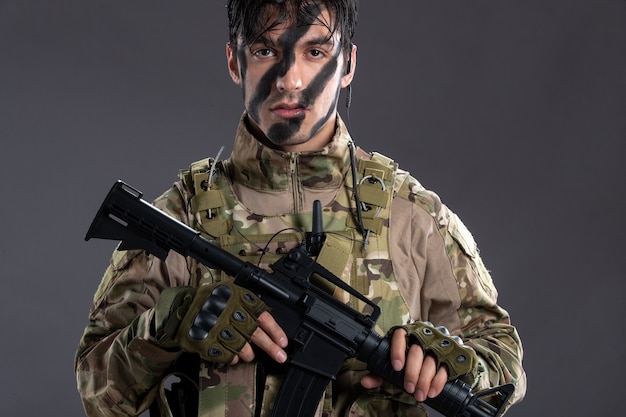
421, 378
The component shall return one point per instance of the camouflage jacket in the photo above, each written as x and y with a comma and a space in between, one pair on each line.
430, 263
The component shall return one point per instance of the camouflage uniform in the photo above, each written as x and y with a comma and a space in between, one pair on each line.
421, 263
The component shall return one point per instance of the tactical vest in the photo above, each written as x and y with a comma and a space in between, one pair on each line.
233, 391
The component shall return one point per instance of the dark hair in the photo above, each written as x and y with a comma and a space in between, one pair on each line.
250, 19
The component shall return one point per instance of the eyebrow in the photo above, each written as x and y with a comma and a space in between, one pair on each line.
319, 40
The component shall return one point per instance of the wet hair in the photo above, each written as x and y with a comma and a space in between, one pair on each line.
249, 20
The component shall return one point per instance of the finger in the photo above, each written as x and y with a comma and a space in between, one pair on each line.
246, 354
397, 351
438, 382
265, 342
427, 373
414, 360
272, 328
371, 381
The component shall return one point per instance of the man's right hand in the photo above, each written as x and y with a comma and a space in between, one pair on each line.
269, 336
217, 321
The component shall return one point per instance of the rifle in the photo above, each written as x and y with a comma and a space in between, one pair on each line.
323, 331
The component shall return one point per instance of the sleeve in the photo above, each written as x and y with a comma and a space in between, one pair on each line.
118, 363
457, 291
484, 324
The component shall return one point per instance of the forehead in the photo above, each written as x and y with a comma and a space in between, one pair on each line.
310, 21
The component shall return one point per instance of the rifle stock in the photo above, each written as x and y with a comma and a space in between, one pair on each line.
323, 331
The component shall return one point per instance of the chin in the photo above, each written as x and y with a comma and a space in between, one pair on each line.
286, 133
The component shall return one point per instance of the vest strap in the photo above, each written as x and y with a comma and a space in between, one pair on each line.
379, 166
205, 202
373, 225
230, 391
335, 253
210, 199
375, 190
372, 193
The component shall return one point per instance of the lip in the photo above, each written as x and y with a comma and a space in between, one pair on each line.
288, 110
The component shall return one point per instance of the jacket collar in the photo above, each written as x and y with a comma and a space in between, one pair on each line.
263, 168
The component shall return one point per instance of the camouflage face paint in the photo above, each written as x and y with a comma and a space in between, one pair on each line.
281, 132
318, 85
264, 88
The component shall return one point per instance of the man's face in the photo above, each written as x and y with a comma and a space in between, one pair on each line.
291, 79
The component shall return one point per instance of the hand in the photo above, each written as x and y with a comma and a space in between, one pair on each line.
421, 378
269, 336
218, 322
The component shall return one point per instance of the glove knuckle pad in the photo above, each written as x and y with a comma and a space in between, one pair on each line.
220, 321
448, 350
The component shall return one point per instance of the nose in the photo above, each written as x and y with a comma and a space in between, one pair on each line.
292, 78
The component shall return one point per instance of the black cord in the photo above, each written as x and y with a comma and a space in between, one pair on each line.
355, 191
263, 249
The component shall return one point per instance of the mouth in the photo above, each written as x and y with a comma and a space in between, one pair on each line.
289, 110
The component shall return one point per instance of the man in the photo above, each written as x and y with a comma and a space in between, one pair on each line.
386, 236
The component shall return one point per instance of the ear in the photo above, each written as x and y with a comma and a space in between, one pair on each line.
233, 64
346, 79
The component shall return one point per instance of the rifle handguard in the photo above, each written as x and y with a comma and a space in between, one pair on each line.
460, 360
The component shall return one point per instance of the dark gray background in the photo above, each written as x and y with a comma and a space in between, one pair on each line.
513, 111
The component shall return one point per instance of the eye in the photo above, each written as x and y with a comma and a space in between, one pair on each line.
264, 53
316, 53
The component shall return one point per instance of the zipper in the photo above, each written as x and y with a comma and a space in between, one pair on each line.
295, 182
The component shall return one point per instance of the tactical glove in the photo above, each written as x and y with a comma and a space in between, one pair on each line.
214, 321
460, 360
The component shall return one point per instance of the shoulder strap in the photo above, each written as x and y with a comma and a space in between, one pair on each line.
376, 187
205, 202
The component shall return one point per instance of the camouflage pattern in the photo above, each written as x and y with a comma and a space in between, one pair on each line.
420, 263
228, 390
253, 166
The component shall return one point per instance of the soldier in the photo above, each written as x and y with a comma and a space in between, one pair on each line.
386, 235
